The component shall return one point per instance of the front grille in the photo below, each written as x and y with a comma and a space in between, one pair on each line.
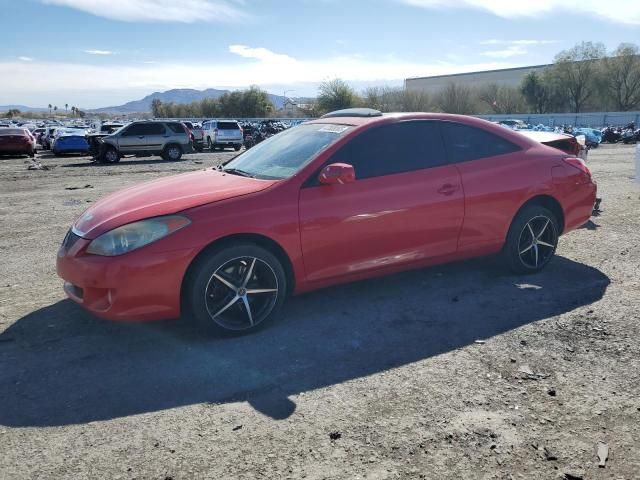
69, 240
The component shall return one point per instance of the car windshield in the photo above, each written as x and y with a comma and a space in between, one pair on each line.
286, 153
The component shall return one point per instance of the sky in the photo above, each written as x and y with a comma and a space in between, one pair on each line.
96, 53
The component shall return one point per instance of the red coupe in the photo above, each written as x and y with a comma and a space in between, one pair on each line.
17, 141
352, 195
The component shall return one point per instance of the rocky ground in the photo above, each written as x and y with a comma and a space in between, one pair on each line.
460, 371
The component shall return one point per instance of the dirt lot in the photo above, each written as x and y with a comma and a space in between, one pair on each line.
381, 379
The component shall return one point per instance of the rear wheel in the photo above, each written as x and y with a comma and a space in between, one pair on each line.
172, 153
237, 147
532, 240
235, 290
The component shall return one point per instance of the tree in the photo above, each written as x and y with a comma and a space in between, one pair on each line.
536, 92
156, 107
13, 112
335, 95
55, 108
50, 106
66, 107
456, 98
622, 77
575, 72
73, 111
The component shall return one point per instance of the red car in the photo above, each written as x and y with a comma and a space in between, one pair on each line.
16, 141
352, 195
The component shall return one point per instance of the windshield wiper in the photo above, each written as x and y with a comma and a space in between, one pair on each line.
236, 171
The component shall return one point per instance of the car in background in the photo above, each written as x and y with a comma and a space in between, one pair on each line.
47, 137
70, 140
17, 141
37, 133
514, 124
322, 204
5, 125
593, 136
165, 138
219, 134
197, 135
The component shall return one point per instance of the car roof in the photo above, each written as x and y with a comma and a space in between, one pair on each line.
388, 118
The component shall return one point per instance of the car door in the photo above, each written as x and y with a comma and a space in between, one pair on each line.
156, 135
406, 204
497, 178
130, 139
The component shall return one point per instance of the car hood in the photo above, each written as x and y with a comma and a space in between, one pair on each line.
164, 196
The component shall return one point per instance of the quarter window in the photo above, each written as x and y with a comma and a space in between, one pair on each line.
471, 143
395, 148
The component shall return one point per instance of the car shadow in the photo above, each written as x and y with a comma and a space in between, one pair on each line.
60, 365
123, 162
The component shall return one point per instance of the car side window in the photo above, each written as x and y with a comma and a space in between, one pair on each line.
394, 148
176, 127
133, 130
152, 129
464, 143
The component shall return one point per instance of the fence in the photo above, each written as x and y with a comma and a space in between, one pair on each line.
594, 120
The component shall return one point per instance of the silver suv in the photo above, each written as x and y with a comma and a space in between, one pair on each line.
222, 133
168, 139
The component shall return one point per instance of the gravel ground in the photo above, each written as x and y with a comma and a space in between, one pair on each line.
460, 371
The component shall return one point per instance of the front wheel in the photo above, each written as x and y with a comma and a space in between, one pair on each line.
532, 240
235, 290
111, 155
237, 147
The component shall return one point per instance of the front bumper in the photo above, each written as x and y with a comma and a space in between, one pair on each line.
142, 285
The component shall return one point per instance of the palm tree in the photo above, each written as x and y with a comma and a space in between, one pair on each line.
66, 107
55, 108
50, 108
73, 110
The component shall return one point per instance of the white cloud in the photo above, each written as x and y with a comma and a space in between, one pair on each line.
619, 11
90, 85
25, 59
99, 52
511, 48
184, 11
260, 53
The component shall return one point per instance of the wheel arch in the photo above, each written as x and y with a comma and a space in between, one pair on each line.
255, 238
548, 202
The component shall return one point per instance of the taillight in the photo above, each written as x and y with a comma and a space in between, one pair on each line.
579, 164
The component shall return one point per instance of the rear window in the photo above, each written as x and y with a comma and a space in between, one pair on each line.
228, 126
12, 131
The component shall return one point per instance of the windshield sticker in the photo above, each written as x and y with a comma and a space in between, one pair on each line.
333, 128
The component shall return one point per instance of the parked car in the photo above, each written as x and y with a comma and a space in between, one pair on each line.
222, 133
47, 137
593, 137
165, 138
322, 204
17, 141
197, 135
70, 141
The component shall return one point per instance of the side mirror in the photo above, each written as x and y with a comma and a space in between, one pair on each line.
337, 173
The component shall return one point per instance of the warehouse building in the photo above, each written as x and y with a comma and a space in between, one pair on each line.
510, 77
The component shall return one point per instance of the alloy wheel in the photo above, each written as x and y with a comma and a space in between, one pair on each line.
174, 153
111, 155
241, 293
538, 241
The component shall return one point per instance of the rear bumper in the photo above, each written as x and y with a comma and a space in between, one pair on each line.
579, 206
139, 286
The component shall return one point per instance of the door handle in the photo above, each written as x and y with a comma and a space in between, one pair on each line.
448, 189
141, 137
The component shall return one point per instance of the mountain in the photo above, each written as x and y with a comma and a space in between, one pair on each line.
22, 108
177, 95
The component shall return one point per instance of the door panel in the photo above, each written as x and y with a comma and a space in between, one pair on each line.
380, 222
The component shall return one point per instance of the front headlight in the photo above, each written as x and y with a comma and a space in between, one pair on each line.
135, 235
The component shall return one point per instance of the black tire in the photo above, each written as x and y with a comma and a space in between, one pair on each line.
172, 153
110, 155
532, 240
237, 147
216, 281
199, 148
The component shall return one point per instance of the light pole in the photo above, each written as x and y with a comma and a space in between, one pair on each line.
284, 94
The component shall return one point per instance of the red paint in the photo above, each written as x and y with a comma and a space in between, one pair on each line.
331, 233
